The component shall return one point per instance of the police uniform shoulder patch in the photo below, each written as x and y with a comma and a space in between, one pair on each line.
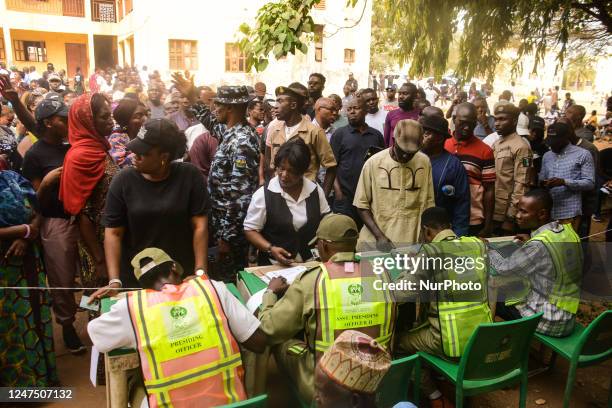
240, 162
527, 162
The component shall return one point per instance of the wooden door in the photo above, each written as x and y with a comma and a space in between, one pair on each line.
76, 56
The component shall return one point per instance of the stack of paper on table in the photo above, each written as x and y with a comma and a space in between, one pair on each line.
267, 273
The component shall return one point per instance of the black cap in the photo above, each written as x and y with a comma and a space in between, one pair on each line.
537, 123
392, 87
155, 132
51, 106
436, 124
558, 129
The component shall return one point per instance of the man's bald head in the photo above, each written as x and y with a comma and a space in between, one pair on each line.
468, 109
325, 102
325, 112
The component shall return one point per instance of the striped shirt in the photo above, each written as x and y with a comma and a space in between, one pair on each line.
477, 158
534, 262
575, 166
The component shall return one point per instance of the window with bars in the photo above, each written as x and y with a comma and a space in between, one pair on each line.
183, 54
235, 60
318, 41
2, 50
34, 51
349, 55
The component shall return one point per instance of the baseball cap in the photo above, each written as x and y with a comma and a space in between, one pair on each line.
336, 228
149, 259
50, 107
436, 124
392, 87
408, 135
558, 129
54, 77
155, 132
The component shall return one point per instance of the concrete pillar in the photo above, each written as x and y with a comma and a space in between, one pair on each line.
88, 9
128, 51
8, 44
91, 55
121, 53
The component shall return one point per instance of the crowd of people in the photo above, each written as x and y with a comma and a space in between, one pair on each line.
130, 183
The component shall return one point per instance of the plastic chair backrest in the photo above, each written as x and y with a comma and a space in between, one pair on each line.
394, 386
597, 337
496, 349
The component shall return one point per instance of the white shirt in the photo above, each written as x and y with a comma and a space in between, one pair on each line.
290, 131
256, 215
377, 120
113, 330
192, 133
491, 139
430, 95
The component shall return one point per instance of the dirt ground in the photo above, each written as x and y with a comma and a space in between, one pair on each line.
590, 390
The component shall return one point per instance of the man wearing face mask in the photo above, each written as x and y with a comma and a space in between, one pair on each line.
567, 171
406, 97
394, 188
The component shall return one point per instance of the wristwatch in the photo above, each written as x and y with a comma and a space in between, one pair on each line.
269, 249
200, 272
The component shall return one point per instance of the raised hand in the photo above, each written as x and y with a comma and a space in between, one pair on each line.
184, 83
7, 90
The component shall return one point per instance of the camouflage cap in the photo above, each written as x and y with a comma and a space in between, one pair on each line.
153, 258
336, 228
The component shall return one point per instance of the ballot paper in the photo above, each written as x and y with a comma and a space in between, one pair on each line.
255, 301
289, 273
93, 366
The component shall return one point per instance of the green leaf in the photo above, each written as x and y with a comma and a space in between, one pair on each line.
294, 23
303, 48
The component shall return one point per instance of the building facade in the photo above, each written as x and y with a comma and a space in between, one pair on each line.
197, 35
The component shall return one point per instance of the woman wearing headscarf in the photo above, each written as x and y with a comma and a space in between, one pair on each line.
26, 333
86, 175
130, 115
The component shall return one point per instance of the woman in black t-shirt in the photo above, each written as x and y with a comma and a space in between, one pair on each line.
157, 203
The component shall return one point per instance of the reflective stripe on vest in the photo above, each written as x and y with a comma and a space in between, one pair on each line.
566, 253
340, 307
188, 355
459, 319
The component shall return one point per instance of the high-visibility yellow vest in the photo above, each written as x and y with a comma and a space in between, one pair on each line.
346, 300
188, 356
459, 318
566, 253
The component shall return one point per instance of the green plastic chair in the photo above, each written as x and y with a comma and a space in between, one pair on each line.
495, 356
586, 346
394, 386
256, 402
